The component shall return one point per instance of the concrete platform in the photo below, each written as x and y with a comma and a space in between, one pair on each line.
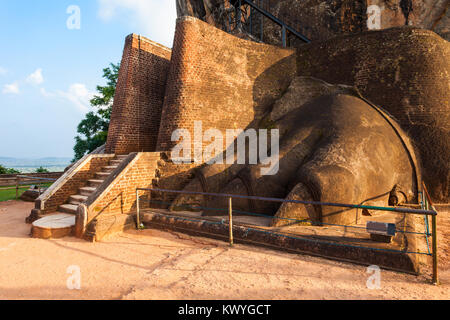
54, 226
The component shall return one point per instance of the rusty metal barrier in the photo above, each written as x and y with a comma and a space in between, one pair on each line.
427, 210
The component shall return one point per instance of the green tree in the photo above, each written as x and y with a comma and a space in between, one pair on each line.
4, 170
93, 129
41, 170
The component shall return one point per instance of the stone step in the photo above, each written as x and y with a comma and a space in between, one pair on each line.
94, 183
68, 208
87, 191
109, 168
121, 157
115, 162
54, 226
155, 156
77, 199
102, 175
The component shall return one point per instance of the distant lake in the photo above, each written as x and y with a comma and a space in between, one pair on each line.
30, 165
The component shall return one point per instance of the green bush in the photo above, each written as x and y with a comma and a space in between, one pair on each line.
41, 170
4, 170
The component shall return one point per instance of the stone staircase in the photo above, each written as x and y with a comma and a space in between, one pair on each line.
91, 186
62, 222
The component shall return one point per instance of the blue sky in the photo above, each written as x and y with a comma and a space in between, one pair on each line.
48, 71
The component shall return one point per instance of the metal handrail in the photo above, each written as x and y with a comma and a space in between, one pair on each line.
427, 205
37, 178
284, 26
427, 212
330, 204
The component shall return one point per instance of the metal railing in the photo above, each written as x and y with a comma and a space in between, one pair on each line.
241, 16
429, 210
23, 182
284, 27
427, 204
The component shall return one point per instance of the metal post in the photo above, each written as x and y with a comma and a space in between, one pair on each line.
138, 211
239, 14
230, 217
435, 261
17, 188
283, 35
251, 20
262, 23
420, 194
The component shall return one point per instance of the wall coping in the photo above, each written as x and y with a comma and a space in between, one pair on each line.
144, 39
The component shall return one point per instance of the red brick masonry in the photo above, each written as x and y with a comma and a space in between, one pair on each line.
224, 81
75, 178
119, 197
139, 96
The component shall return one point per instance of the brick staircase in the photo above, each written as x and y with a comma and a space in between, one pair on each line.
90, 187
112, 188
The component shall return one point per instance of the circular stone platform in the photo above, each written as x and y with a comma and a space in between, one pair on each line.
54, 226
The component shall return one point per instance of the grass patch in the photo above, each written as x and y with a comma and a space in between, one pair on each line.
6, 195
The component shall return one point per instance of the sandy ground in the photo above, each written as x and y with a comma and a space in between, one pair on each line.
152, 264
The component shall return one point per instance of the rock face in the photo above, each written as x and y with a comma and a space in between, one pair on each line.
211, 11
324, 19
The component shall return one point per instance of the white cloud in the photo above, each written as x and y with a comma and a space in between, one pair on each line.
3, 71
154, 19
12, 88
46, 94
77, 94
36, 77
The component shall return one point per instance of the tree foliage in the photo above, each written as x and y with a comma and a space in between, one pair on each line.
4, 170
41, 170
93, 129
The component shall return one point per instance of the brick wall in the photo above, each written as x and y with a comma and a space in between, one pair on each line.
222, 80
71, 185
113, 209
406, 71
171, 176
120, 196
139, 96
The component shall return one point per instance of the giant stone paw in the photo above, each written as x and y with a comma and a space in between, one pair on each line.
334, 147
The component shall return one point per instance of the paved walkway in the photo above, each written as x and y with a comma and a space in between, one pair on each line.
152, 264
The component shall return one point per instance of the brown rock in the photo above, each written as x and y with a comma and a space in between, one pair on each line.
324, 19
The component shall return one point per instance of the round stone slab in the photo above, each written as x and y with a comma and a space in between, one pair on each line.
54, 226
